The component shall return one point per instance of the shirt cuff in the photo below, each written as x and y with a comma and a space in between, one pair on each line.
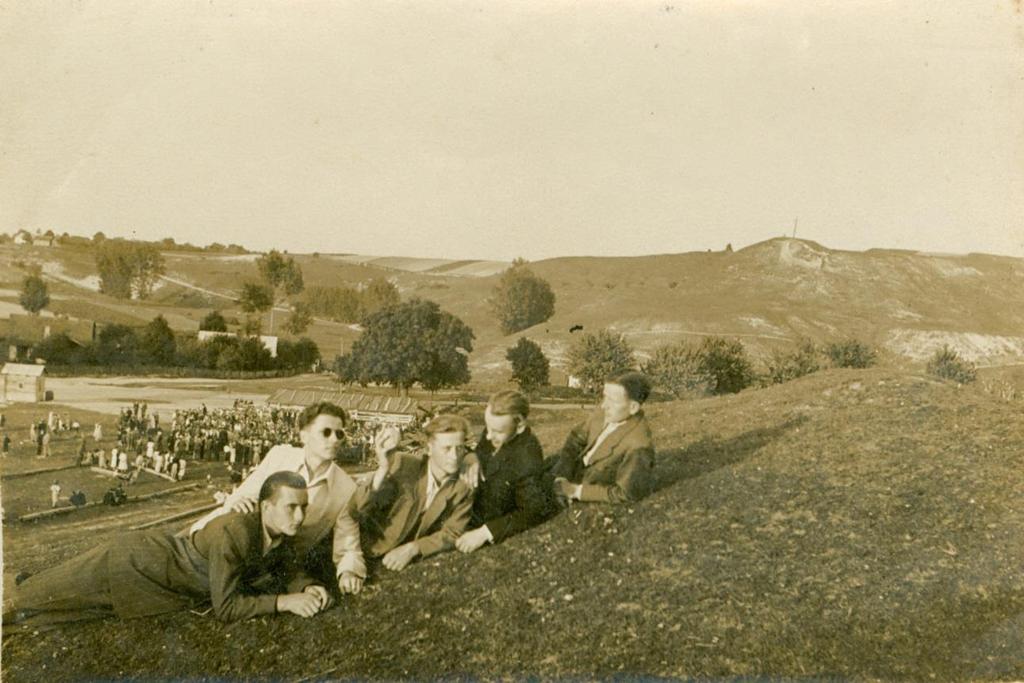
487, 531
577, 494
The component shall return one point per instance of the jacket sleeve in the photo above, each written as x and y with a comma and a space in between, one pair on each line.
633, 481
227, 556
345, 549
454, 525
531, 497
568, 459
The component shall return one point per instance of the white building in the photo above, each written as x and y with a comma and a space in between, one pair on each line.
24, 382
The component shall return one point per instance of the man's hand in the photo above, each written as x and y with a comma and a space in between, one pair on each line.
472, 540
400, 557
350, 583
564, 490
322, 595
384, 442
470, 473
304, 604
244, 505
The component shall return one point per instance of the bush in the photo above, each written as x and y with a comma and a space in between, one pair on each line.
521, 299
785, 366
596, 357
851, 353
946, 363
675, 368
724, 366
530, 367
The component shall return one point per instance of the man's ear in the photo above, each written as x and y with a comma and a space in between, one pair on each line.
634, 407
521, 427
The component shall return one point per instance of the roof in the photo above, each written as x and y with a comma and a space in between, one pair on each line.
23, 369
364, 403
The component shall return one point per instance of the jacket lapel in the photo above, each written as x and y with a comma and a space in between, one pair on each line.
437, 506
614, 439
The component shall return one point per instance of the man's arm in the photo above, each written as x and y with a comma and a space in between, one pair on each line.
633, 481
228, 553
345, 549
454, 525
572, 450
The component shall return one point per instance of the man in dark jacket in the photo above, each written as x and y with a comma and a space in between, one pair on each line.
242, 563
511, 496
610, 457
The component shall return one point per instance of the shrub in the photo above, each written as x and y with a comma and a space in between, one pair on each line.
521, 299
724, 366
530, 367
946, 363
595, 357
851, 353
785, 366
675, 368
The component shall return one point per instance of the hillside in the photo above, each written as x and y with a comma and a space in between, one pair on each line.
768, 294
852, 524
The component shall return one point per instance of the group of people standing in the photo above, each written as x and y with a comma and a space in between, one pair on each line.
299, 532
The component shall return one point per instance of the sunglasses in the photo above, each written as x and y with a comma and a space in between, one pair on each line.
339, 433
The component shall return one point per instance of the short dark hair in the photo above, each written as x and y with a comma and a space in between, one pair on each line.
509, 402
322, 408
636, 384
277, 480
447, 424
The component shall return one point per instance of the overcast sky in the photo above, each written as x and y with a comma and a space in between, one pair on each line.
496, 128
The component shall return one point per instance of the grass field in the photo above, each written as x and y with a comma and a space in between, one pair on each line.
852, 524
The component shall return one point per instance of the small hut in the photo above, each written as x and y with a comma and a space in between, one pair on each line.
23, 382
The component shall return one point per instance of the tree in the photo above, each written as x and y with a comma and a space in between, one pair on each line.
157, 345
125, 267
116, 345
675, 368
521, 299
256, 298
214, 322
98, 237
530, 367
850, 353
300, 319
282, 275
35, 296
724, 365
379, 293
595, 357
410, 342
299, 354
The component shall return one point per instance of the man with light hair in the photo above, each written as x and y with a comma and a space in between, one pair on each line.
511, 495
415, 505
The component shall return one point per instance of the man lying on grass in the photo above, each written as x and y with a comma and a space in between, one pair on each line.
415, 504
610, 457
243, 562
511, 496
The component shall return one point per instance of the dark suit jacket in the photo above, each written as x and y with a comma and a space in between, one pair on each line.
512, 496
394, 515
622, 469
146, 573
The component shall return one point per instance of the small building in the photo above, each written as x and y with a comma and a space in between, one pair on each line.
23, 382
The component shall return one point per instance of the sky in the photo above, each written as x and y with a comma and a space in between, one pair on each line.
499, 128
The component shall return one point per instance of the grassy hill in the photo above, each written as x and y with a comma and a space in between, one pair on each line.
851, 524
768, 294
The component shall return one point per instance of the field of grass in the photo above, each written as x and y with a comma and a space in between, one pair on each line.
851, 524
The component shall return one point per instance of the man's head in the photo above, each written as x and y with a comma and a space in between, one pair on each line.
446, 443
624, 395
282, 502
505, 416
322, 430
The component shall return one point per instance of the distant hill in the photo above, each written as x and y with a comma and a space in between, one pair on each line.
768, 294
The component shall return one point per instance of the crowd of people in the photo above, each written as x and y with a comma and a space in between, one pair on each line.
298, 531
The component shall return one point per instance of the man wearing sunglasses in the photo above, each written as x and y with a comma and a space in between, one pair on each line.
322, 431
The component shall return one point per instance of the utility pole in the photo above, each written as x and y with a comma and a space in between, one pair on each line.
795, 221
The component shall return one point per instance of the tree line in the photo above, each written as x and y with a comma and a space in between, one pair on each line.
157, 345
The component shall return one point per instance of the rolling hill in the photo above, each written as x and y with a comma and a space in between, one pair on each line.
847, 525
768, 294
